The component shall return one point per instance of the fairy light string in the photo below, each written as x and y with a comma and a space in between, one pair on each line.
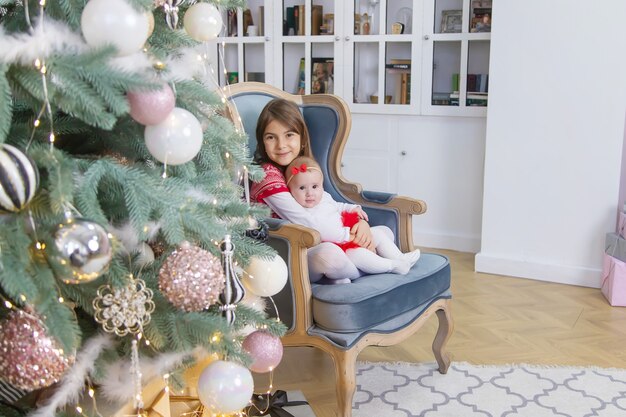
42, 68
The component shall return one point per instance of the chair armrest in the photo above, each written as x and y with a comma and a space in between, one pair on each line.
300, 238
403, 207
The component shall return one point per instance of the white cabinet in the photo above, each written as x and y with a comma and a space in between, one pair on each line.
388, 57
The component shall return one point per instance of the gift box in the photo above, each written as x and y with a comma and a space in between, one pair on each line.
280, 404
615, 246
614, 280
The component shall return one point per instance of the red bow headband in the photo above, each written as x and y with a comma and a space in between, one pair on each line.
295, 170
302, 168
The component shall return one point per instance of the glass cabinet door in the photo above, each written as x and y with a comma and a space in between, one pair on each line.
243, 46
309, 40
382, 50
456, 50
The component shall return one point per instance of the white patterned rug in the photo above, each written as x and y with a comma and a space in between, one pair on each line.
419, 390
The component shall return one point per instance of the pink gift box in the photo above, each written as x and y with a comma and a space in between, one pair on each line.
614, 281
621, 225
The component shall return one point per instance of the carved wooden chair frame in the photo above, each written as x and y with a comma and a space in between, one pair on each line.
301, 238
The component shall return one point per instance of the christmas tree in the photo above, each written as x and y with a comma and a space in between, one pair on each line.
122, 219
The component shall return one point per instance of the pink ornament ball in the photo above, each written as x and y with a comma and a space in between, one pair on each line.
265, 349
151, 107
191, 278
29, 358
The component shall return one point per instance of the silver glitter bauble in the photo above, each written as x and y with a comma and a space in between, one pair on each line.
191, 278
29, 358
82, 251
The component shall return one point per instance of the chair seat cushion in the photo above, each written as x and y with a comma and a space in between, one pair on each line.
375, 299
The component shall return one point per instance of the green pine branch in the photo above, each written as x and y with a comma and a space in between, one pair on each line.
5, 104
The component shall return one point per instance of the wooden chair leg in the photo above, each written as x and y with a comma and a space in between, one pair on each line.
345, 377
446, 325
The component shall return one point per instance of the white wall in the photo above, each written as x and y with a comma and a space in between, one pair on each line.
555, 130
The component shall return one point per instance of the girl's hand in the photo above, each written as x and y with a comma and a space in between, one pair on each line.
361, 213
362, 235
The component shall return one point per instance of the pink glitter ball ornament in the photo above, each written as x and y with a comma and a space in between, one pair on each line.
265, 349
191, 278
151, 107
29, 358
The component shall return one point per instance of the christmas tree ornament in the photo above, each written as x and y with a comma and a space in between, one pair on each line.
158, 247
176, 140
29, 358
191, 278
265, 349
124, 310
114, 22
81, 252
150, 23
258, 230
151, 107
203, 22
225, 387
19, 179
145, 255
171, 12
265, 277
234, 291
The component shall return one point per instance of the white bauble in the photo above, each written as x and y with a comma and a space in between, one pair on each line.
225, 387
175, 140
114, 22
265, 277
203, 22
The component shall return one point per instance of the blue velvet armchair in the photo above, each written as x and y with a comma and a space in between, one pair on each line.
379, 310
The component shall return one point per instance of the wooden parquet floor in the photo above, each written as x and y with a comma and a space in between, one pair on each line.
498, 320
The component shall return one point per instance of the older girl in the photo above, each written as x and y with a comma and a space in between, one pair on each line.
282, 136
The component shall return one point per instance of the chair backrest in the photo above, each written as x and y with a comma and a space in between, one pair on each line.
326, 117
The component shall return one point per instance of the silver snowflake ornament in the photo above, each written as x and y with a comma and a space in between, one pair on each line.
124, 310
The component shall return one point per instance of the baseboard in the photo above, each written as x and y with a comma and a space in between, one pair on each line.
452, 242
585, 277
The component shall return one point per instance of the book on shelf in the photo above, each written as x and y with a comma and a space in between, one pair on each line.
398, 66
290, 22
232, 77
478, 82
474, 95
301, 78
472, 98
301, 20
317, 13
440, 99
475, 82
255, 76
296, 20
261, 24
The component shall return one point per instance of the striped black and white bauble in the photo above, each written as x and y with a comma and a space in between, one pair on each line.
19, 179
